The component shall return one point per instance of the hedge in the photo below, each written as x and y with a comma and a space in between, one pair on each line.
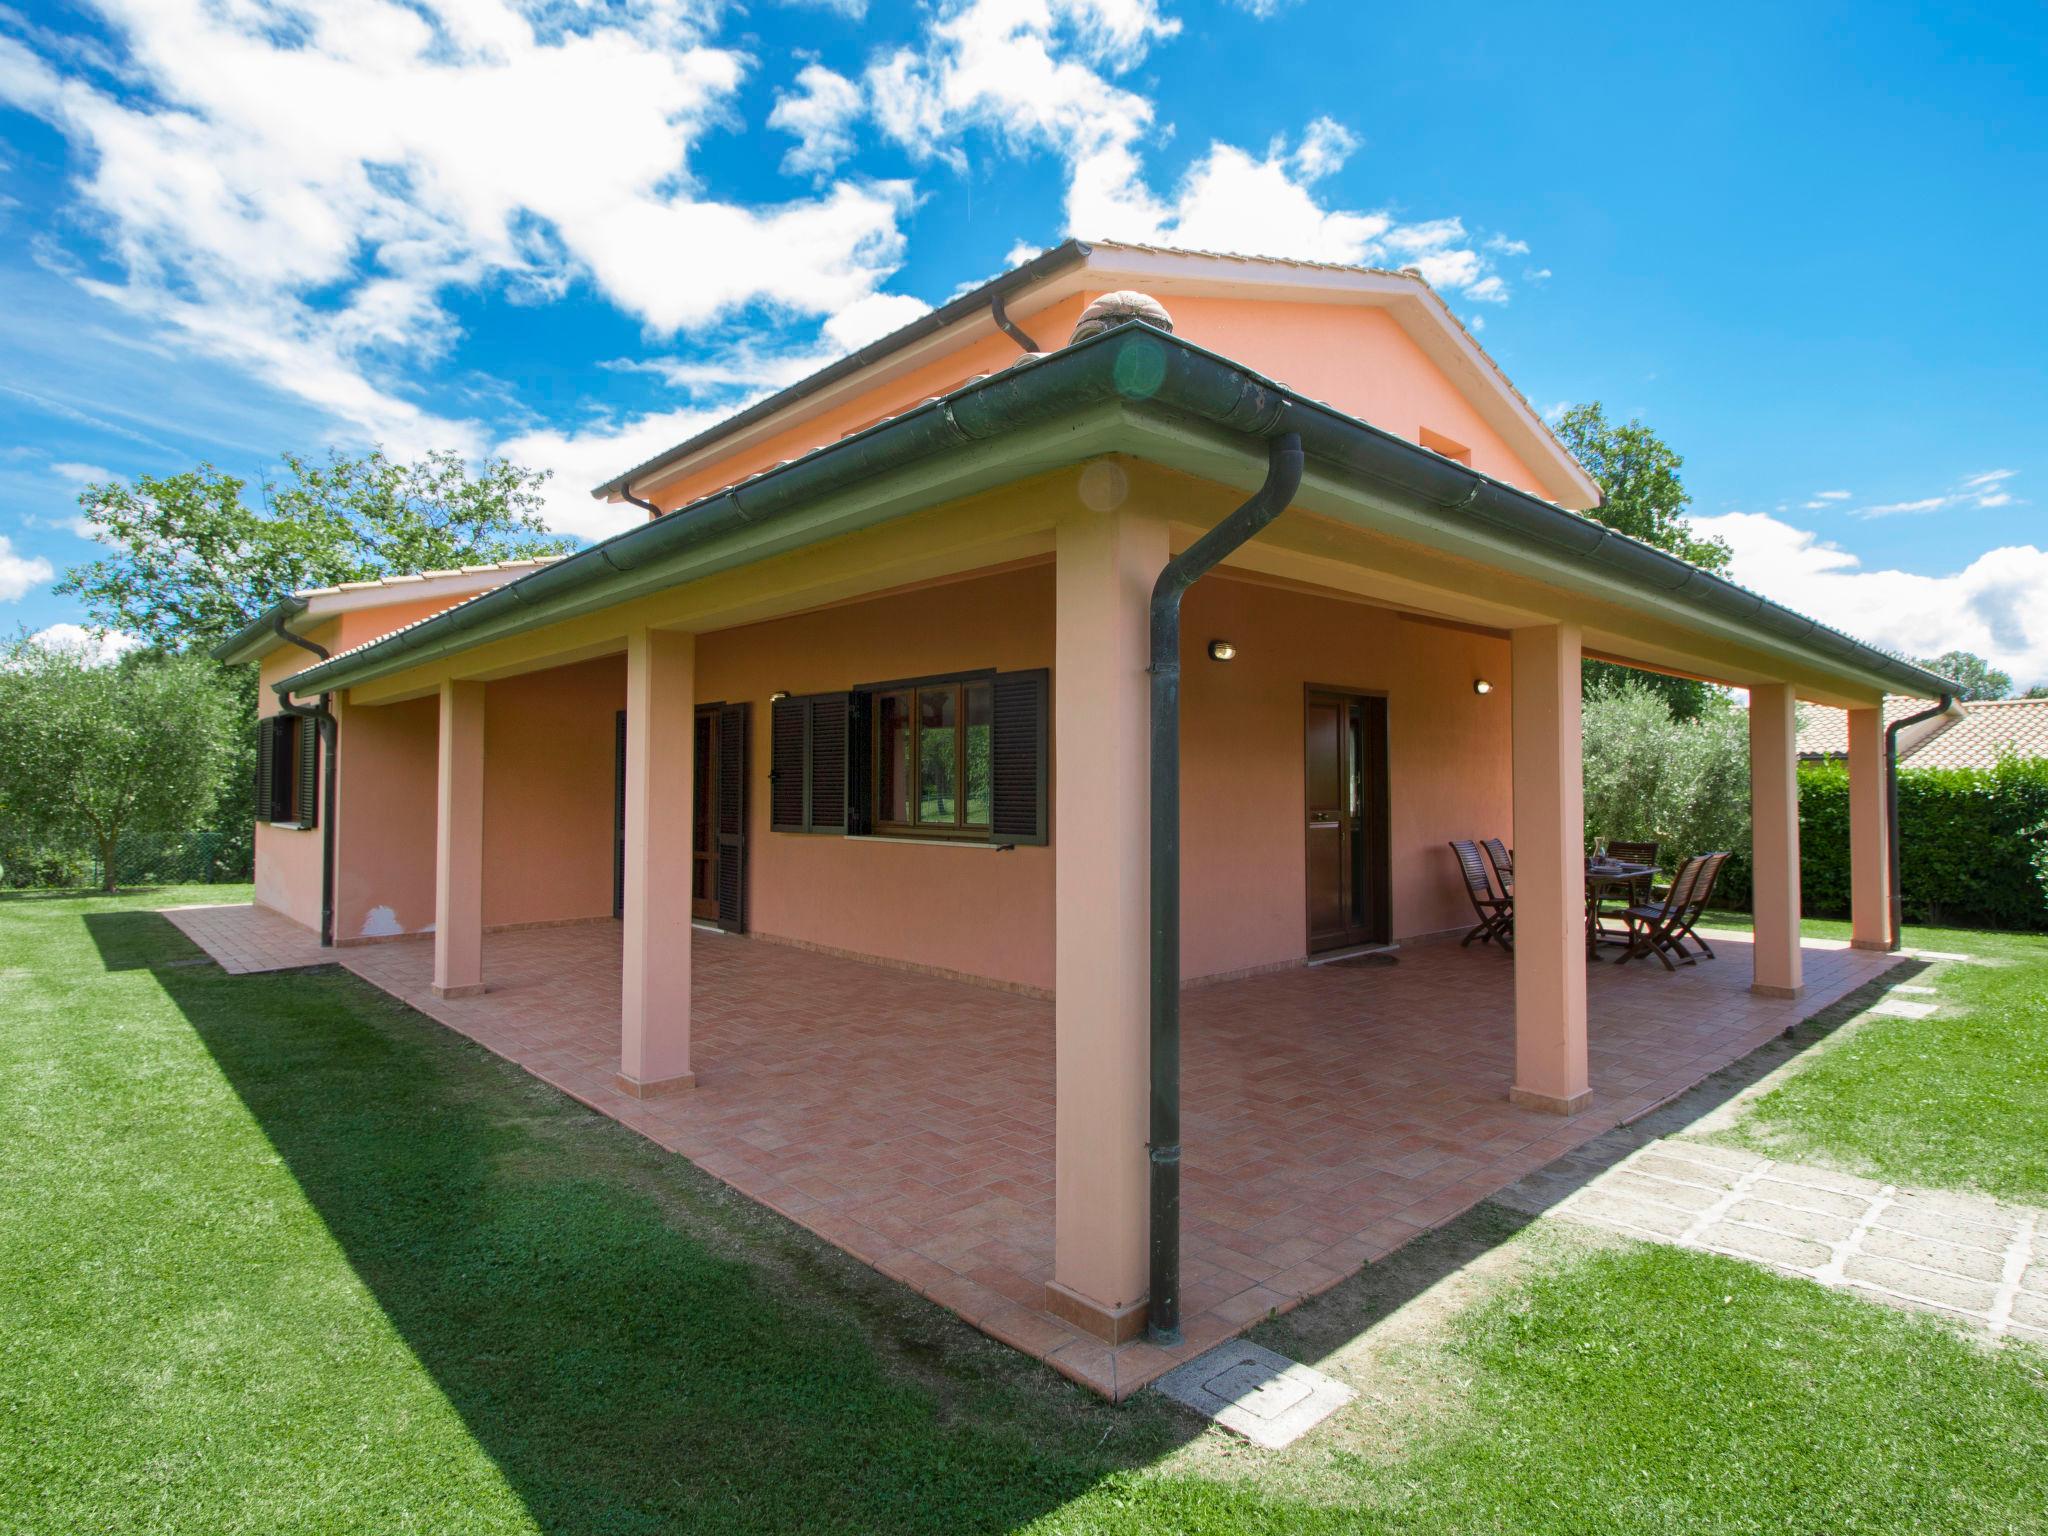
1973, 844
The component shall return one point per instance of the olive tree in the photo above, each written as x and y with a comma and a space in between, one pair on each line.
1651, 777
91, 752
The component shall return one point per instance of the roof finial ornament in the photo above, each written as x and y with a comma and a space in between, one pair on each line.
1120, 308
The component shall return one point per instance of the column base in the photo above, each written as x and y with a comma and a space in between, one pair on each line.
1877, 946
1764, 989
660, 1088
467, 989
1112, 1325
1550, 1103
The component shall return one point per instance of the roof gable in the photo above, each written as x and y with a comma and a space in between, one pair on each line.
940, 350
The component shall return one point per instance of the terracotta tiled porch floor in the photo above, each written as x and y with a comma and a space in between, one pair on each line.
1331, 1114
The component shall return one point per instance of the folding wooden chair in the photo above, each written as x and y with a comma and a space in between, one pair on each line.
1495, 911
1654, 927
1702, 892
1503, 862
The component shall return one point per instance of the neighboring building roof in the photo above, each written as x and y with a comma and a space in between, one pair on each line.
1825, 732
1986, 730
1160, 269
1139, 382
259, 636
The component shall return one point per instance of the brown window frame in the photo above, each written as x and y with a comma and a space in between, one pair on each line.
961, 830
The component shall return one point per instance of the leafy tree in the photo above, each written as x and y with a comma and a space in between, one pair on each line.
2038, 691
191, 561
1979, 678
88, 753
1681, 783
1643, 497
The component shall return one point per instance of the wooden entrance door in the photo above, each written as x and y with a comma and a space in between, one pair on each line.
1348, 873
703, 820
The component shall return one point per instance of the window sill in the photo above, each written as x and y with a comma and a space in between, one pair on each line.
930, 842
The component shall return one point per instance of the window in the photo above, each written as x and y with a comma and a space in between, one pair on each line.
961, 758
287, 771
934, 758
1451, 449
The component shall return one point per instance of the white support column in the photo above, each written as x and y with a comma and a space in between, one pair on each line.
1551, 1072
654, 1016
1774, 839
459, 844
1106, 566
1870, 868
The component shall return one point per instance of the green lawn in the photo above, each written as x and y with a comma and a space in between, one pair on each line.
279, 1255
1959, 1100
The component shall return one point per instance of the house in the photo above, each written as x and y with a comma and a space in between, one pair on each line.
876, 677
1975, 734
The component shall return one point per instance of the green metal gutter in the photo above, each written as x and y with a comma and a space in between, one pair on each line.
259, 630
989, 296
1127, 389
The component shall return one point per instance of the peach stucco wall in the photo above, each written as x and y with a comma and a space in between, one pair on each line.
958, 908
548, 804
1244, 793
550, 757
1244, 903
287, 861
1355, 357
548, 800
384, 846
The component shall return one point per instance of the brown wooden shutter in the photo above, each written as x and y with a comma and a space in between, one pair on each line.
308, 803
789, 722
827, 809
733, 759
860, 764
1018, 812
266, 766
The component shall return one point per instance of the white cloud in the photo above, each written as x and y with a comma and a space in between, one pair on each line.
81, 474
870, 319
1043, 74
1996, 606
1325, 146
820, 112
97, 649
305, 179
1824, 499
19, 574
1506, 246
1263, 10
1984, 490
591, 455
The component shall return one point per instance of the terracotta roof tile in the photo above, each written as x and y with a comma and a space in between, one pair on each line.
1988, 728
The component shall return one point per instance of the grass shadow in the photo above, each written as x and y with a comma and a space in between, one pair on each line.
635, 1346
141, 941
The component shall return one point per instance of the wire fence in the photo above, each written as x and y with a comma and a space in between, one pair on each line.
206, 857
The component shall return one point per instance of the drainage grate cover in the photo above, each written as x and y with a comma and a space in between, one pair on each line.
1267, 1398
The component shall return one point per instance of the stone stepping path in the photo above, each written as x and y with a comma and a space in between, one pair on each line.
1969, 1258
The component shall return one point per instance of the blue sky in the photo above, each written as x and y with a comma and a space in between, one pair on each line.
1802, 242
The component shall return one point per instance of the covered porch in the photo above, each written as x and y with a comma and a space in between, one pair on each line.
1332, 1111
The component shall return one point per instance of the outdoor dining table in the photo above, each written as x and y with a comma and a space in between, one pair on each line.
1602, 876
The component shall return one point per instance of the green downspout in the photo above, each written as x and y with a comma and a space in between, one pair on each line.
1891, 809
1283, 479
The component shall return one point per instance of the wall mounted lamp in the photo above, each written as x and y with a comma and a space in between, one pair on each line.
778, 696
1481, 685
1221, 650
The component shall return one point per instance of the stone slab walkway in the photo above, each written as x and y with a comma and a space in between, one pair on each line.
1977, 1260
